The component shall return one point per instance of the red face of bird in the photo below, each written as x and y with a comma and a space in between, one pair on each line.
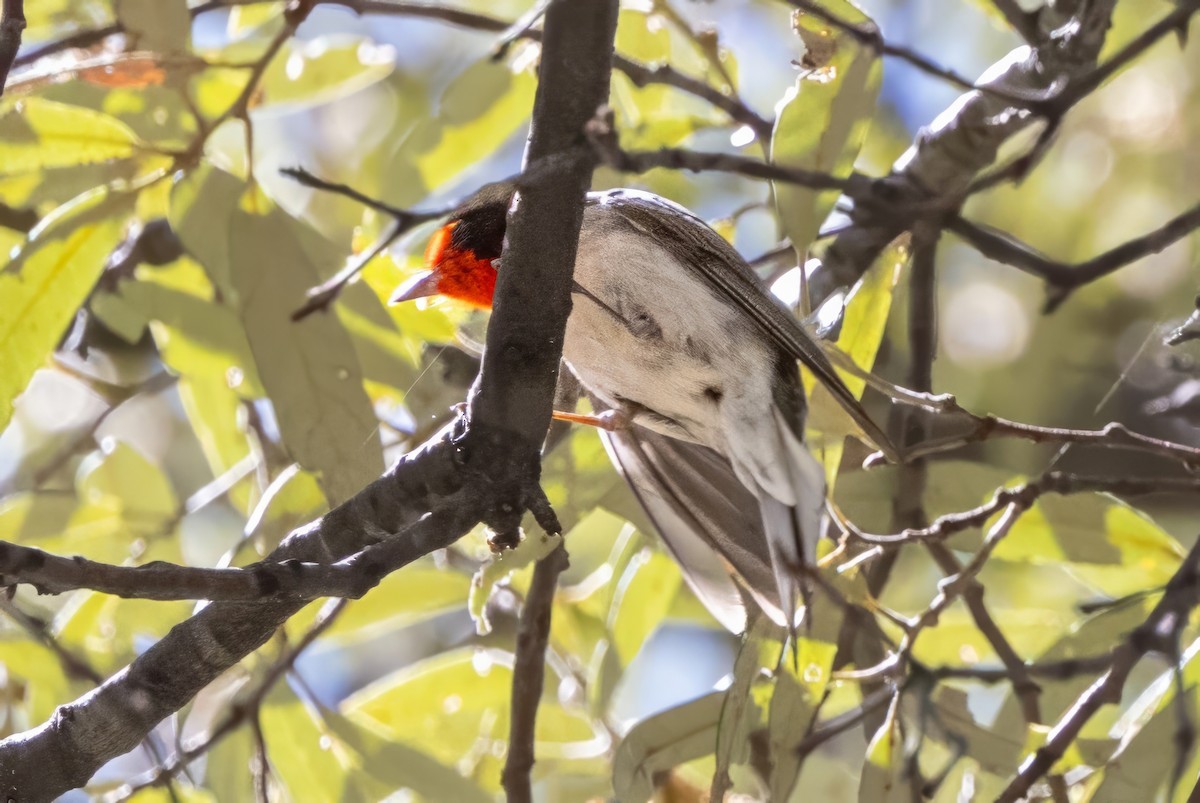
459, 257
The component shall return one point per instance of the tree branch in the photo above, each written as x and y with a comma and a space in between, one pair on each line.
529, 674
403, 220
941, 164
604, 139
12, 23
64, 752
1158, 633
1062, 278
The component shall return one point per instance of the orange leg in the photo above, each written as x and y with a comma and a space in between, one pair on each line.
609, 420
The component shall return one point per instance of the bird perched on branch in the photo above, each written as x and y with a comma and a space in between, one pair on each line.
691, 365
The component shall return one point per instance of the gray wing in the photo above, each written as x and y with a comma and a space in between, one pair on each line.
709, 521
701, 248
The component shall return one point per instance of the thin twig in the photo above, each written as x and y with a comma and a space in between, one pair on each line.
1024, 495
1062, 278
529, 675
869, 36
404, 220
1158, 633
603, 137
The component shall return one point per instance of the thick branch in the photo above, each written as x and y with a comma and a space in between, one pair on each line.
63, 753
12, 23
946, 156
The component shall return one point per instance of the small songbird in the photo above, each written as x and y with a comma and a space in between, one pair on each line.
691, 365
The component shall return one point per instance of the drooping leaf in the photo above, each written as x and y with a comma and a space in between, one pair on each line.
665, 740
308, 368
738, 712
822, 122
49, 279
864, 322
643, 596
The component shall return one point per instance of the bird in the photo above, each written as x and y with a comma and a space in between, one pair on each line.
691, 367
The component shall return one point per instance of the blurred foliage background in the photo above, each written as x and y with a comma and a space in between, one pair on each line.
170, 410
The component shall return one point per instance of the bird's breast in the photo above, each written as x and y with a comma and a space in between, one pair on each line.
645, 330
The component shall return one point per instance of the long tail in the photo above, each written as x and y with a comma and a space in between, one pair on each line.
793, 530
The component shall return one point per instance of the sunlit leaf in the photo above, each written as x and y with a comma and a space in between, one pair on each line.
122, 477
300, 755
399, 765
643, 597
308, 368
822, 121
402, 598
657, 115
463, 696
665, 740
37, 134
319, 70
41, 670
863, 325
50, 278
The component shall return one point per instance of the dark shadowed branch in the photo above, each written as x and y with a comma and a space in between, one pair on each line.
1062, 278
529, 675
1159, 633
12, 24
403, 221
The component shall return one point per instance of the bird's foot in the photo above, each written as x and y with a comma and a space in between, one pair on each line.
609, 420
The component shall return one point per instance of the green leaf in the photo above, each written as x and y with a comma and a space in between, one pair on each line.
308, 368
293, 498
49, 280
463, 697
1106, 543
213, 410
738, 710
658, 115
299, 759
410, 595
956, 640
882, 768
46, 684
121, 477
36, 134
823, 120
864, 323
665, 740
317, 71
480, 110
228, 769
400, 766
161, 26
643, 596
997, 749
1093, 635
